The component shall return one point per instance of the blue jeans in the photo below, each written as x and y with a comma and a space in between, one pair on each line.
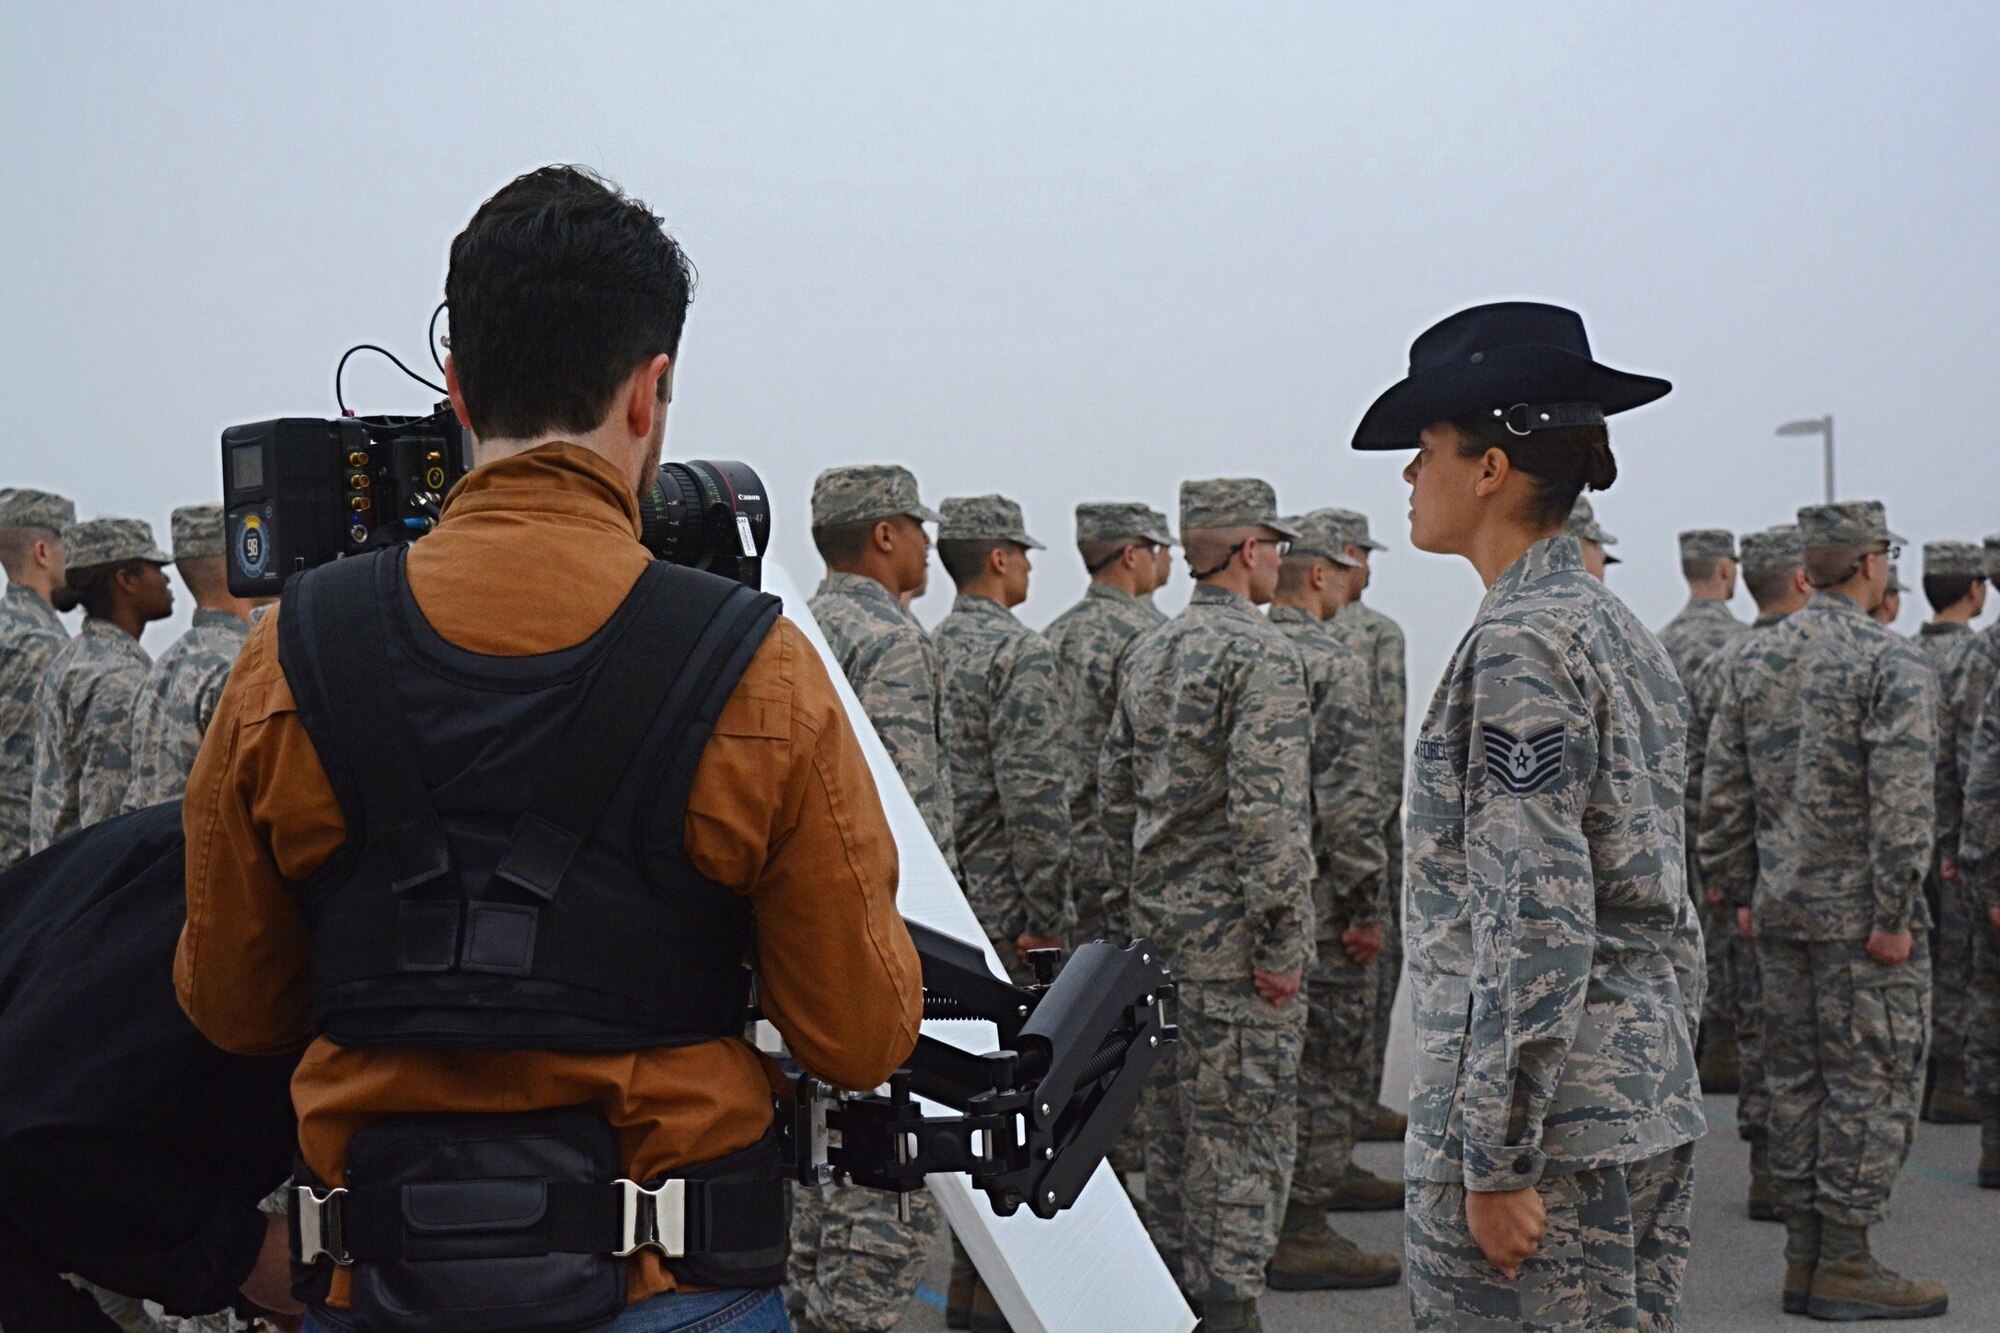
758, 1311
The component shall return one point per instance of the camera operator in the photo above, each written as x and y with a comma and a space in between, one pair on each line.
491, 817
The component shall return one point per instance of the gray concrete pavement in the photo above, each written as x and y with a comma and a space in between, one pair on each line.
1942, 1226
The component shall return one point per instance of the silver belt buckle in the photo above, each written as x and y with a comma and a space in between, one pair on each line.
319, 1225
655, 1218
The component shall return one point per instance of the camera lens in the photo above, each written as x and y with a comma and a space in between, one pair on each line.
708, 514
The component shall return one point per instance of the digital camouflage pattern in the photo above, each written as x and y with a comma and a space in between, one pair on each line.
1204, 782
1616, 1244
1204, 792
854, 1262
1696, 632
30, 636
866, 493
197, 531
1230, 502
1009, 749
83, 731
171, 714
1707, 544
1850, 523
110, 541
1844, 1056
983, 518
1980, 863
25, 507
1380, 640
1089, 641
894, 669
1732, 961
1349, 867
1554, 957
1121, 520
1963, 685
1830, 724
1582, 524
1966, 560
1944, 643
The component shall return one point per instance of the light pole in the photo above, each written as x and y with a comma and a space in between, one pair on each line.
1816, 426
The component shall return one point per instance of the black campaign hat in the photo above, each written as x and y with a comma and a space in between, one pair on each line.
1526, 363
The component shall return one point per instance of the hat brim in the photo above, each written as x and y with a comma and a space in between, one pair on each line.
1504, 376
922, 513
1020, 538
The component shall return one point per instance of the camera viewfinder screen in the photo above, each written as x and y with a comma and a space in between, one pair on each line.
246, 466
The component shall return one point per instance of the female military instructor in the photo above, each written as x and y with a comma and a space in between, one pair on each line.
1554, 958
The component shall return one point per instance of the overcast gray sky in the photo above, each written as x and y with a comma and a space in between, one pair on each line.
1063, 252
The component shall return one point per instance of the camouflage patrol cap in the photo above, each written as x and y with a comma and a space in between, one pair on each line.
1895, 579
1354, 524
197, 531
21, 507
1117, 521
1993, 556
1773, 551
111, 541
971, 518
1849, 523
865, 494
1582, 524
1230, 502
1708, 544
1326, 534
1964, 560
1160, 522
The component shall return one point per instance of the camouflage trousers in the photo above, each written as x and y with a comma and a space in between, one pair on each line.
1336, 1098
1844, 1057
1163, 1153
1237, 1089
854, 1263
1723, 950
1982, 1028
1388, 963
1753, 1097
1951, 971
1614, 1253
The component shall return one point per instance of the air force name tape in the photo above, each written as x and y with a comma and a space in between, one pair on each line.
1523, 765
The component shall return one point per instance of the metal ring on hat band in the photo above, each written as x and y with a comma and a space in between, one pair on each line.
1548, 416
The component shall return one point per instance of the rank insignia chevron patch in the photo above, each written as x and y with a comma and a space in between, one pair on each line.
1523, 766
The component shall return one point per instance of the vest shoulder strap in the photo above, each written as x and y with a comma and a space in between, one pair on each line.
334, 650
684, 646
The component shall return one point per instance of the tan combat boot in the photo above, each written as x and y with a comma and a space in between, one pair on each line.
1226, 1315
1802, 1238
1362, 1191
1763, 1194
1989, 1145
1385, 1126
959, 1293
1850, 1283
1718, 1065
1312, 1256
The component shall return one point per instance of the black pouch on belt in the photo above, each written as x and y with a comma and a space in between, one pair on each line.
497, 1222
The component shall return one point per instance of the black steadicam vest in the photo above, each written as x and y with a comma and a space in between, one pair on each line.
514, 877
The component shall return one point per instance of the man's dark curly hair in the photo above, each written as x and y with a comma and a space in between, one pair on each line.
558, 287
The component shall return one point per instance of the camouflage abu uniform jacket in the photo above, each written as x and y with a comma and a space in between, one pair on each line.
1736, 883
893, 666
174, 706
1696, 632
1833, 716
1965, 684
1944, 645
1554, 958
1981, 848
1006, 742
1380, 640
1349, 854
1090, 640
1204, 793
83, 731
30, 636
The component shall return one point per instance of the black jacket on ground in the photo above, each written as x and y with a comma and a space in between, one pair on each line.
132, 1152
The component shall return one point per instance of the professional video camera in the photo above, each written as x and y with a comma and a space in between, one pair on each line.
300, 491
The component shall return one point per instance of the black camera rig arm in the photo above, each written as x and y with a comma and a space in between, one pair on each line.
1036, 1116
